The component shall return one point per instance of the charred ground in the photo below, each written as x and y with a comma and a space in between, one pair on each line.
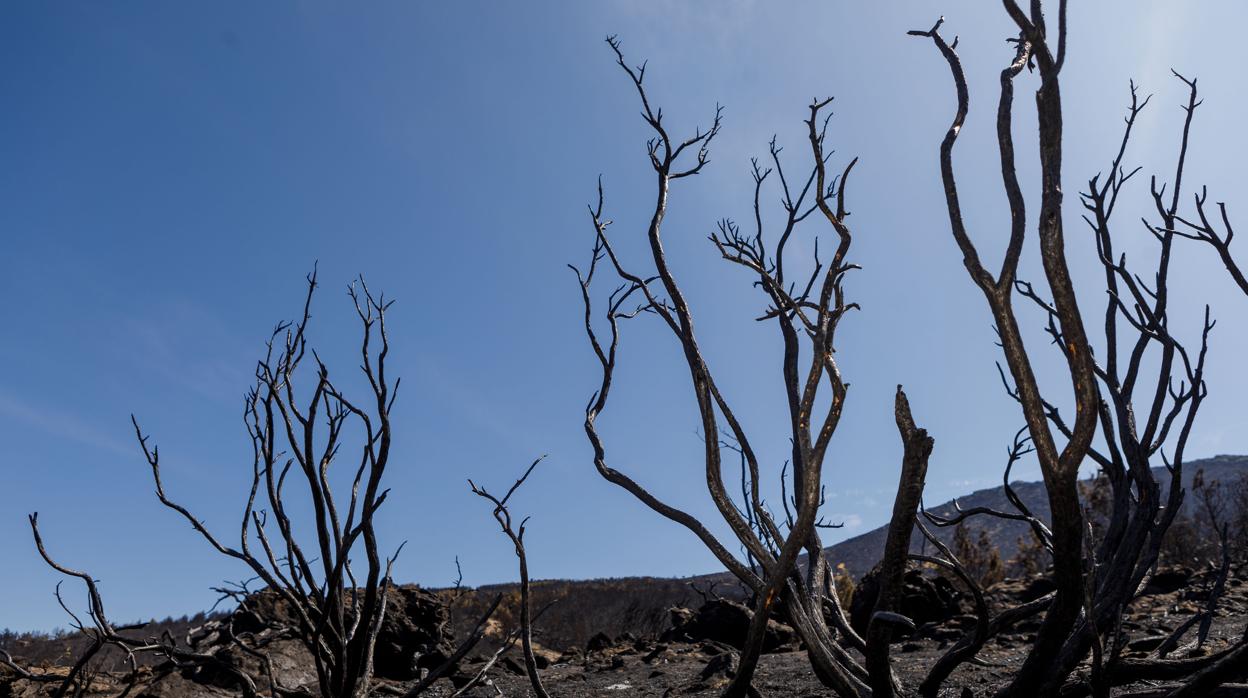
656, 636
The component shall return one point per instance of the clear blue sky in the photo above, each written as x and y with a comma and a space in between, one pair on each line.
170, 171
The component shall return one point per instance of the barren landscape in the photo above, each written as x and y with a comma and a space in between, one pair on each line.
1076, 254
682, 637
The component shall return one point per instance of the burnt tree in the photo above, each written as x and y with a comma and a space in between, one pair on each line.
299, 432
807, 312
1139, 388
515, 534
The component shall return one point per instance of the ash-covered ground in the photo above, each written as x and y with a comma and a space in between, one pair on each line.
693, 656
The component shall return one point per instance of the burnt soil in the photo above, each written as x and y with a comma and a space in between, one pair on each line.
680, 666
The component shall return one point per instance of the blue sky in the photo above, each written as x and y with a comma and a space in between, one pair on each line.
172, 170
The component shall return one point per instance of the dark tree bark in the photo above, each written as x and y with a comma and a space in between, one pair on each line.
516, 535
918, 447
338, 616
1095, 578
807, 313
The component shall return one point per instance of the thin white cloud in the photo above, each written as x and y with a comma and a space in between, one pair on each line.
969, 484
471, 406
61, 424
191, 347
850, 521
1165, 27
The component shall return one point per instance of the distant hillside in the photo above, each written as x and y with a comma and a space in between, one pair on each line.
861, 553
639, 605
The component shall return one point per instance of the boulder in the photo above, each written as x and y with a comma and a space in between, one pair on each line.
680, 616
260, 611
722, 667
718, 672
414, 635
598, 643
721, 620
1036, 588
1168, 580
924, 599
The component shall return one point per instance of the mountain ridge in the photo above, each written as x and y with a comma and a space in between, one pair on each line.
861, 552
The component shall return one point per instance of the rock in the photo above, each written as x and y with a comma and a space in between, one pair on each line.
924, 600
721, 620
722, 666
414, 634
1036, 588
657, 652
292, 665
718, 673
680, 616
1167, 581
598, 643
261, 610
